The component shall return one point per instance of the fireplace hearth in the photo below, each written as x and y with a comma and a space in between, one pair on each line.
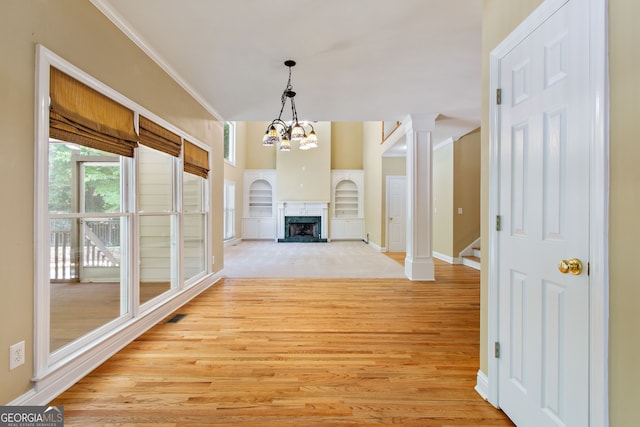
302, 229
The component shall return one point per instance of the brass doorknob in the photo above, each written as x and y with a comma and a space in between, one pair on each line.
573, 266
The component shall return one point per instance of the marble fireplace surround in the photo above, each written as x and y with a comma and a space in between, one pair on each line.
297, 208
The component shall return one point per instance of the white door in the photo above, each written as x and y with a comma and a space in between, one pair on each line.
396, 213
544, 210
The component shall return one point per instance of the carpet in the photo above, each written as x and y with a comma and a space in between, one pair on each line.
337, 259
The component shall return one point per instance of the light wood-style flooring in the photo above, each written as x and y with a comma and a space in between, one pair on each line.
289, 352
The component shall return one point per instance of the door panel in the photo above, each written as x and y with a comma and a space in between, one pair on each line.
544, 204
396, 213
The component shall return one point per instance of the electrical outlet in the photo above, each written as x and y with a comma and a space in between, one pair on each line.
16, 355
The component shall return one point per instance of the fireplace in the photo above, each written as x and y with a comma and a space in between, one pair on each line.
300, 221
302, 229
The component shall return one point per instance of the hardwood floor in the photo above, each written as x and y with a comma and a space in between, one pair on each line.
286, 352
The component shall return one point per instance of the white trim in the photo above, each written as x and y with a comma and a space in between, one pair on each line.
443, 144
599, 202
41, 220
377, 247
599, 218
232, 242
119, 21
482, 385
471, 263
447, 258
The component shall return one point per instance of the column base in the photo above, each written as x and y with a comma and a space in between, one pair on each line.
419, 268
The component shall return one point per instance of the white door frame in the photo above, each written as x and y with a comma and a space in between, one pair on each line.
599, 201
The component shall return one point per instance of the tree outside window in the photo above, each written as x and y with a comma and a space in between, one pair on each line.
230, 142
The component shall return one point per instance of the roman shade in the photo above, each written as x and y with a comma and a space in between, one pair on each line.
196, 160
82, 115
155, 136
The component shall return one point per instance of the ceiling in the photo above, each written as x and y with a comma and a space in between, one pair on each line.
357, 60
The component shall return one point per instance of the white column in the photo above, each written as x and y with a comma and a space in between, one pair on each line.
419, 259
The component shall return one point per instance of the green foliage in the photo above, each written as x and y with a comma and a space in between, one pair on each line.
226, 140
59, 178
101, 182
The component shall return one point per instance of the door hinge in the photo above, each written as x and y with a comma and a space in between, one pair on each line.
496, 350
499, 96
498, 223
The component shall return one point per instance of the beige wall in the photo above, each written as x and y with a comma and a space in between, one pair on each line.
372, 164
257, 156
466, 191
305, 175
499, 18
624, 339
78, 32
456, 184
346, 145
442, 198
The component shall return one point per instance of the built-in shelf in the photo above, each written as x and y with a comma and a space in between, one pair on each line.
347, 216
259, 212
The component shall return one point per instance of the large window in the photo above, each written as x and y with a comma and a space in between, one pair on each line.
121, 227
230, 142
87, 221
195, 222
229, 210
157, 223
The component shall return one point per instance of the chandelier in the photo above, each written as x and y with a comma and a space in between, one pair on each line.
279, 132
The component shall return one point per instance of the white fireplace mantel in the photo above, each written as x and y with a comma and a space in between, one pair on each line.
297, 208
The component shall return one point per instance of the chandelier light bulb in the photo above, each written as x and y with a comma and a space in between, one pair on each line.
285, 145
297, 133
312, 139
304, 144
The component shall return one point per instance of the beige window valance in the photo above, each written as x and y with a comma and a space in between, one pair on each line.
196, 160
155, 136
84, 116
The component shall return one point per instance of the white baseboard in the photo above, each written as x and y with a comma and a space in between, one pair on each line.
471, 263
482, 385
446, 258
54, 383
376, 247
232, 242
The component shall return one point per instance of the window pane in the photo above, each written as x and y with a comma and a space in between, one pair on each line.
101, 189
155, 180
226, 140
192, 194
82, 179
194, 245
157, 255
230, 141
229, 210
86, 290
